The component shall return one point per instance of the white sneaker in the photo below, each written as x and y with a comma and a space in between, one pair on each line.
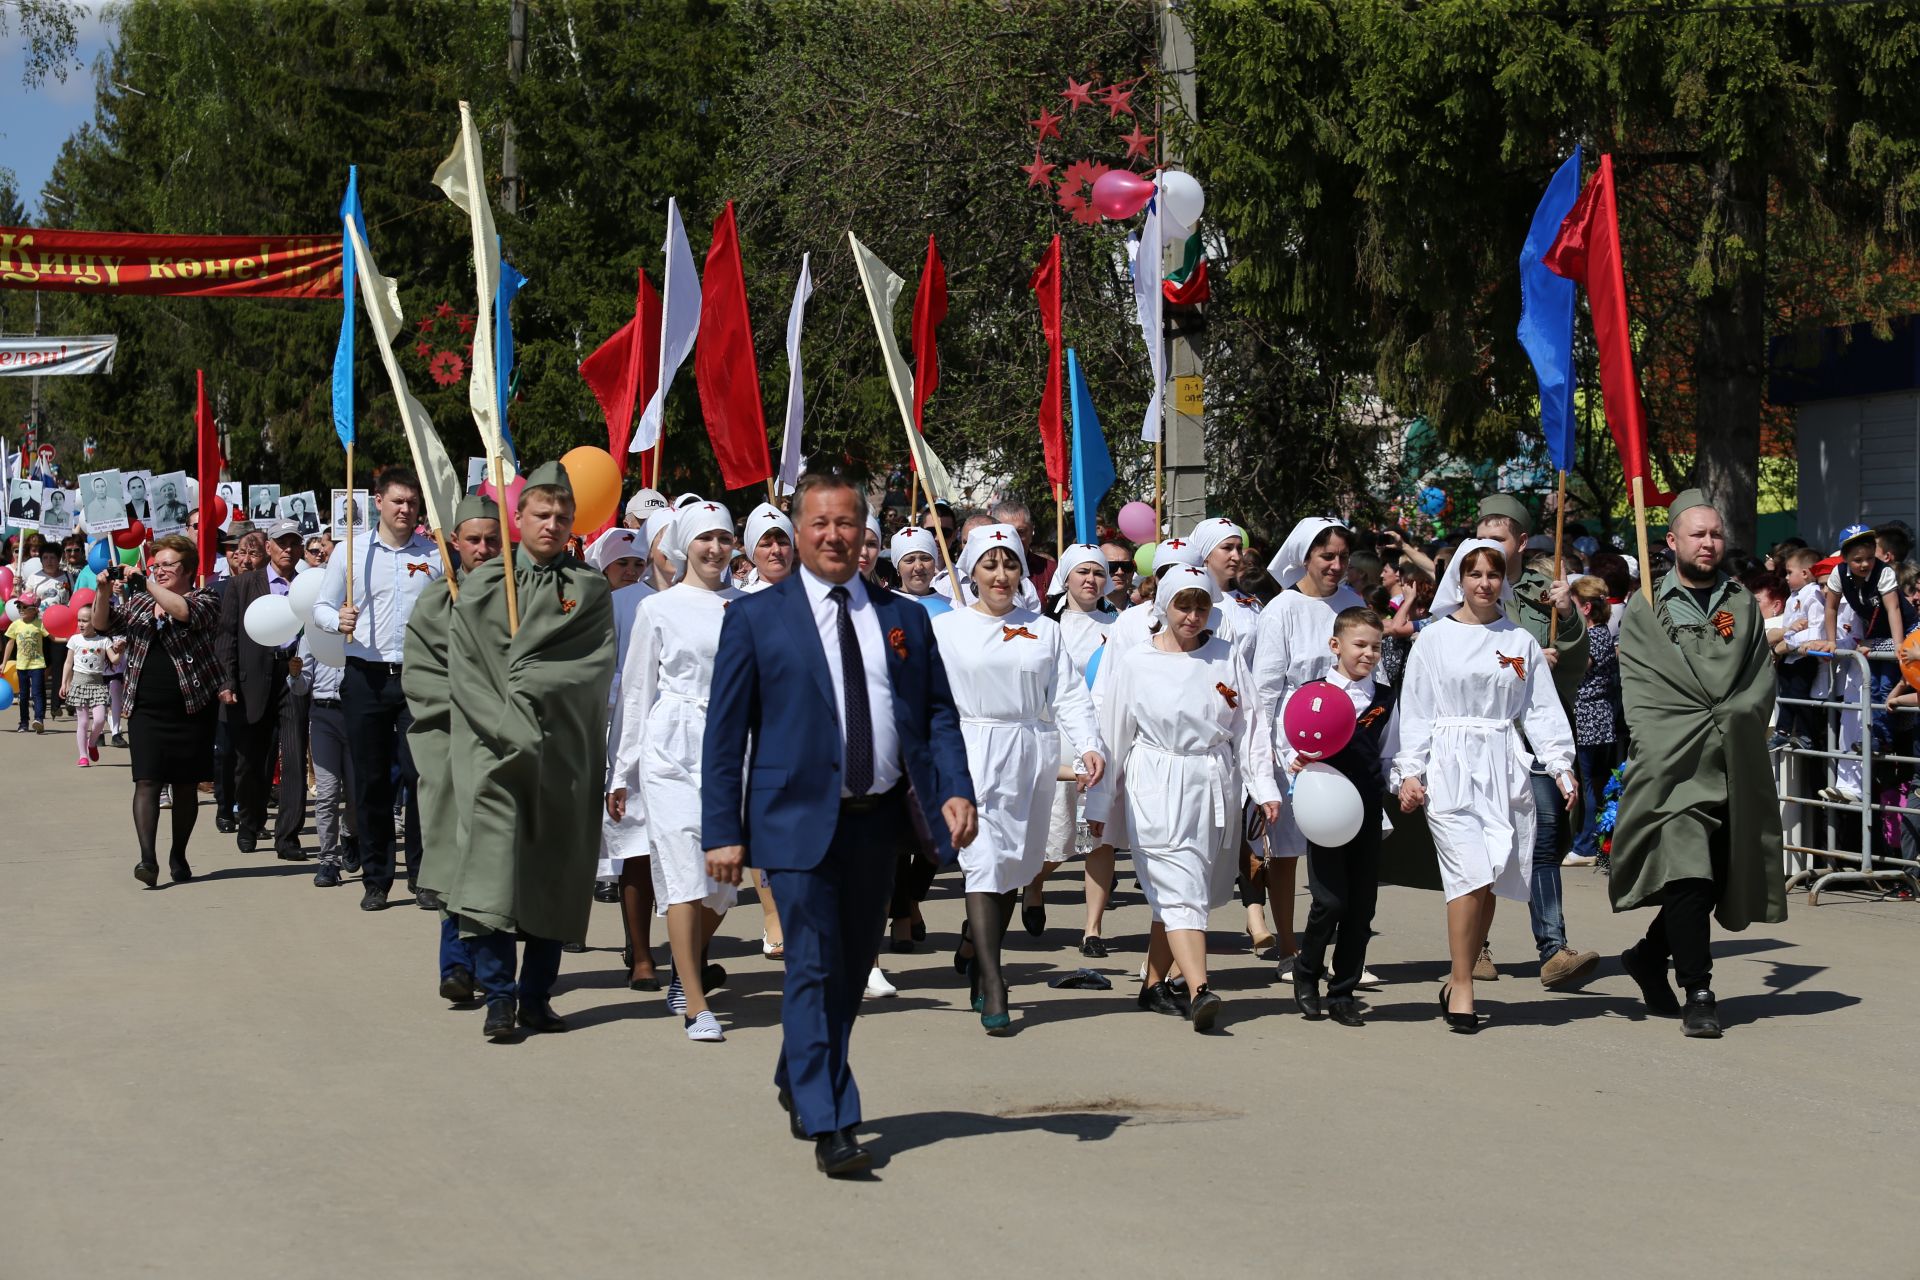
1576, 860
676, 996
878, 988
1283, 970
1371, 981
166, 797
705, 1027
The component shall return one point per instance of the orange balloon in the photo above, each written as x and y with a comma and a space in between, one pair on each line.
1910, 659
595, 477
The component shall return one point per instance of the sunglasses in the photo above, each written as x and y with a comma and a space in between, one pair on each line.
1119, 566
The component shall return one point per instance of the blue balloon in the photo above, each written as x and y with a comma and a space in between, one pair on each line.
6, 695
1432, 501
99, 556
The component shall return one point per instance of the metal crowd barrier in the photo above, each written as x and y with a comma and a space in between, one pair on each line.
1814, 860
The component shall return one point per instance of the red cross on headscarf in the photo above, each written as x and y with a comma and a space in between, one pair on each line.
1176, 543
998, 536
710, 507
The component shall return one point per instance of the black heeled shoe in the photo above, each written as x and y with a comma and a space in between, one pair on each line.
147, 873
1465, 1024
961, 962
178, 871
919, 930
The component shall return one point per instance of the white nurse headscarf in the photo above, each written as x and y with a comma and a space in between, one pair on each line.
1289, 564
986, 538
1183, 577
1448, 596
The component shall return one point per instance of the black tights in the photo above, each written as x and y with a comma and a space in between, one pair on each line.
146, 818
988, 915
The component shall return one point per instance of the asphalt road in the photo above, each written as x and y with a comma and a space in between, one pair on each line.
247, 1076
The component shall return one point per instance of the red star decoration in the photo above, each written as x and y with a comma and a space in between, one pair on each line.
426, 323
1138, 143
1078, 93
444, 309
1039, 173
1117, 99
423, 349
465, 323
1048, 124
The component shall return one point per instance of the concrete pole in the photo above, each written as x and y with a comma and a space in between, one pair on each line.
516, 65
1183, 429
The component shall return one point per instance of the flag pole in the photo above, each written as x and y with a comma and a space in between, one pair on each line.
350, 523
1640, 534
446, 564
506, 546
1159, 465
1559, 521
1059, 522
946, 556
770, 501
659, 445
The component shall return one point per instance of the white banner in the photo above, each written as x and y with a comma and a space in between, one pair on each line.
24, 357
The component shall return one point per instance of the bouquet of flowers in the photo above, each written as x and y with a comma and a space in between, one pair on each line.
1610, 810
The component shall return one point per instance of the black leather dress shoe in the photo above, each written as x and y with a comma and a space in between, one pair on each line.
606, 891
327, 877
1345, 1011
178, 871
295, 854
428, 900
793, 1117
1034, 919
839, 1156
225, 824
1206, 1009
248, 840
350, 858
499, 1020
1701, 1019
147, 873
1160, 1000
1093, 947
541, 1018
374, 899
457, 986
1306, 994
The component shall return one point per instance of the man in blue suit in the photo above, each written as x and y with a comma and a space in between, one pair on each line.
837, 688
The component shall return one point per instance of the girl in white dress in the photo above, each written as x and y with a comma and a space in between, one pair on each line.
621, 554
769, 540
1471, 676
664, 681
1079, 588
1294, 647
1192, 739
1015, 688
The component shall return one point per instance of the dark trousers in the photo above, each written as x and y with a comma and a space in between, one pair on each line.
1795, 680
224, 783
255, 746
1346, 885
827, 914
377, 720
1679, 931
539, 967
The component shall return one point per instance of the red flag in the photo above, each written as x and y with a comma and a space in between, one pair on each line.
625, 369
1587, 251
723, 365
210, 464
929, 309
1053, 428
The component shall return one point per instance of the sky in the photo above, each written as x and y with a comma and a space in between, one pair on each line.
34, 123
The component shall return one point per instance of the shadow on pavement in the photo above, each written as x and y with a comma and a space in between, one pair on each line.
896, 1135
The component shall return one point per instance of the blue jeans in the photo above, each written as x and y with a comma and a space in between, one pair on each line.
1595, 766
455, 951
1549, 921
493, 967
33, 688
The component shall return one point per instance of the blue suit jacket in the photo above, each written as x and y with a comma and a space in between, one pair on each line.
772, 687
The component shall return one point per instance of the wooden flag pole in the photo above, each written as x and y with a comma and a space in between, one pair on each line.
1640, 534
506, 546
1059, 522
659, 447
770, 501
946, 556
446, 565
1559, 522
348, 599
1159, 465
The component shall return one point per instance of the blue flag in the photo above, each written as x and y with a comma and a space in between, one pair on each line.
1092, 468
510, 282
349, 290
1546, 314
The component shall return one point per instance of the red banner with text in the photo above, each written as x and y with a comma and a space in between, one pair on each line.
181, 266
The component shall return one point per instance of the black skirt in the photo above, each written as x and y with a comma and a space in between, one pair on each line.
167, 743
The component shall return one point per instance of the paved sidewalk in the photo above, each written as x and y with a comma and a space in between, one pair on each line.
249, 1077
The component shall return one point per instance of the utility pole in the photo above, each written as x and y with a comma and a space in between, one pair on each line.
516, 64
1183, 427
33, 388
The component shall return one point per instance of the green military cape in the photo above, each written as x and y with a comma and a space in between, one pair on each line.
528, 746
1698, 706
424, 678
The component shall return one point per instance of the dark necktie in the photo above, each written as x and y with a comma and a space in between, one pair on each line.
859, 718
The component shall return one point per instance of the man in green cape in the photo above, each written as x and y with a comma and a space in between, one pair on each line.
1697, 832
1542, 607
528, 754
423, 676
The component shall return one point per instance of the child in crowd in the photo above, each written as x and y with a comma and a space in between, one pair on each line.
1345, 881
83, 684
27, 641
1803, 622
1596, 712
1409, 615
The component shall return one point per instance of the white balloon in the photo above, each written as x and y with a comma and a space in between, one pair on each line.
1185, 200
270, 621
329, 648
1326, 806
302, 593
13, 611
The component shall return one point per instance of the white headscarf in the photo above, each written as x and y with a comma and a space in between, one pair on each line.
761, 521
1072, 558
909, 540
879, 534
1183, 577
1209, 534
1289, 564
615, 544
1448, 596
696, 518
659, 534
1171, 552
985, 539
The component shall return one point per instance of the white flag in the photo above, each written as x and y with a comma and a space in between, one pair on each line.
883, 289
796, 400
439, 486
679, 325
462, 177
1147, 304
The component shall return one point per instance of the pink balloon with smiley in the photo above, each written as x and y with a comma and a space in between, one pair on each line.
1318, 719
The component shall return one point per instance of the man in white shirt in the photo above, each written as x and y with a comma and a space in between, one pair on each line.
390, 570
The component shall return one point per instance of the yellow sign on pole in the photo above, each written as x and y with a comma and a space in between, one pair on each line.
1189, 395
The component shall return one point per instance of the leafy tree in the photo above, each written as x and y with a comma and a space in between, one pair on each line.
48, 27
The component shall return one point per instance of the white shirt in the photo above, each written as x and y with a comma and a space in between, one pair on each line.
873, 658
386, 582
1809, 606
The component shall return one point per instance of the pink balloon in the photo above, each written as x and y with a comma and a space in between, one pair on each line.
1136, 522
1318, 719
6, 583
1121, 193
511, 505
